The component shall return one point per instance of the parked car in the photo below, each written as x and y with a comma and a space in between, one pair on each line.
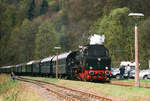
132, 74
116, 73
145, 74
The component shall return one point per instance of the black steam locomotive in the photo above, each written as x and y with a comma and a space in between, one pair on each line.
90, 63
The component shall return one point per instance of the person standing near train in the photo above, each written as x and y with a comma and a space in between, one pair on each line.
12, 75
122, 71
128, 70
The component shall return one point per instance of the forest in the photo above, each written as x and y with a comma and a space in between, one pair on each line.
30, 29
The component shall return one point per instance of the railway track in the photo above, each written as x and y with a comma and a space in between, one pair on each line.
67, 93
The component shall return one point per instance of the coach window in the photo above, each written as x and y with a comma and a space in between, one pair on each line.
47, 63
59, 62
63, 61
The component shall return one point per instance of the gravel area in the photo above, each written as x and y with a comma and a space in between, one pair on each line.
47, 96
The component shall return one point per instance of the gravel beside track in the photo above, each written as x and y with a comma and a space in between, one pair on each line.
66, 93
47, 96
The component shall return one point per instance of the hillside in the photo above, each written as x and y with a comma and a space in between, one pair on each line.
30, 29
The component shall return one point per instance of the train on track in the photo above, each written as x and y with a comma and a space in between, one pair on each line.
89, 63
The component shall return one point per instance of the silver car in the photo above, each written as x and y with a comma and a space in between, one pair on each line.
132, 74
144, 74
115, 73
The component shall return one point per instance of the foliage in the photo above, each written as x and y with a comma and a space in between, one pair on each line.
44, 7
3, 23
144, 47
24, 22
46, 40
117, 28
31, 10
24, 37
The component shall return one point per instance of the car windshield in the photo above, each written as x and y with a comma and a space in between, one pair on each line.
132, 67
148, 69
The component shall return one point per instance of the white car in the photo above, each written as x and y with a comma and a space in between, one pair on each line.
145, 74
115, 73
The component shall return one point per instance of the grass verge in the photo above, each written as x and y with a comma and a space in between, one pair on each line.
11, 90
6, 83
133, 81
126, 93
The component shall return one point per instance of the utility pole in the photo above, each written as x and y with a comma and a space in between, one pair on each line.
137, 16
137, 82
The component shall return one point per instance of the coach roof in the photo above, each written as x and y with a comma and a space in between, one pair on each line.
61, 56
47, 59
30, 62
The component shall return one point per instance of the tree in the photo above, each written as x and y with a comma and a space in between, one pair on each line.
90, 10
46, 40
5, 28
31, 10
144, 39
3, 19
22, 41
44, 7
118, 30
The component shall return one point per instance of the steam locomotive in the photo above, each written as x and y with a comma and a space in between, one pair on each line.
90, 63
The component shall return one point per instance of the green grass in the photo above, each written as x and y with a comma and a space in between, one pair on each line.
21, 93
11, 90
133, 81
11, 97
6, 83
127, 93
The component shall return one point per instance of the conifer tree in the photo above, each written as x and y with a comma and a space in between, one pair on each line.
31, 10
44, 7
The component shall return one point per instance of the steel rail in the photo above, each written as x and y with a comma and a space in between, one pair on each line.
101, 98
69, 98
